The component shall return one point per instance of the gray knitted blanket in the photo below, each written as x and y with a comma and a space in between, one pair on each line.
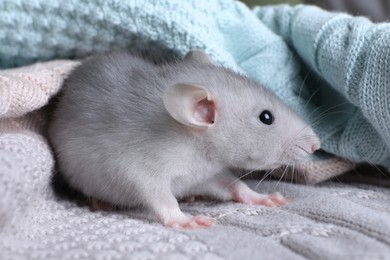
330, 221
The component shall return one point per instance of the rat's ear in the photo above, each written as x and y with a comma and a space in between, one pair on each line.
191, 105
198, 56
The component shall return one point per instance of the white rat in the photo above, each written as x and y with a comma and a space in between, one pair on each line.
132, 132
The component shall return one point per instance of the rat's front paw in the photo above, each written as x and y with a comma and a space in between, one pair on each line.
248, 196
191, 222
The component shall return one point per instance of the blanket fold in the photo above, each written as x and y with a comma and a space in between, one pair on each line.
351, 54
346, 100
331, 68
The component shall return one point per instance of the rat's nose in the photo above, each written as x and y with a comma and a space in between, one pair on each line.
315, 147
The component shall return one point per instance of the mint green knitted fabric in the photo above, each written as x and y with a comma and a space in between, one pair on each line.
332, 68
351, 56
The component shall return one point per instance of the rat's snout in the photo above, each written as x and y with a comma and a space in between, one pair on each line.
315, 146
303, 145
309, 140
316, 143
312, 143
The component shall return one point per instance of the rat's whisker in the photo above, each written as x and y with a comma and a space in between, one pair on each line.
372, 164
284, 172
310, 138
302, 149
326, 109
242, 176
267, 174
292, 173
304, 176
314, 116
312, 95
303, 83
333, 114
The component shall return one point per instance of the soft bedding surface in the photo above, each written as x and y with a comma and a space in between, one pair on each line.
332, 68
329, 221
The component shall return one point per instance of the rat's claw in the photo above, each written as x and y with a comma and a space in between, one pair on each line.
271, 200
192, 223
278, 198
265, 202
248, 196
204, 220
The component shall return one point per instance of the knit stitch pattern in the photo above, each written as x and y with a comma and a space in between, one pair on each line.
348, 57
351, 56
328, 221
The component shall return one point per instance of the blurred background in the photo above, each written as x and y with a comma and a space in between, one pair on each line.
376, 10
269, 2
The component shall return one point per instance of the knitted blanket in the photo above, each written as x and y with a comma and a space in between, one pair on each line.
341, 88
331, 68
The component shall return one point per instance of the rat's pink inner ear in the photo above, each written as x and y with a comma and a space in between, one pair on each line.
204, 111
191, 105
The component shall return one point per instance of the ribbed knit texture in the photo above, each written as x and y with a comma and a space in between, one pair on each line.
347, 57
330, 221
350, 57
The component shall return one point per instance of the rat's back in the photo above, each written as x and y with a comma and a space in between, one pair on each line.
110, 86
104, 112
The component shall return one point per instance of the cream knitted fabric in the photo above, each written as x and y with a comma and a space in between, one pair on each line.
26, 161
28, 88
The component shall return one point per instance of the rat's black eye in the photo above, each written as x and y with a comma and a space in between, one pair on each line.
266, 117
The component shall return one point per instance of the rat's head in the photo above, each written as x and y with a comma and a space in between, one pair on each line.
236, 121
